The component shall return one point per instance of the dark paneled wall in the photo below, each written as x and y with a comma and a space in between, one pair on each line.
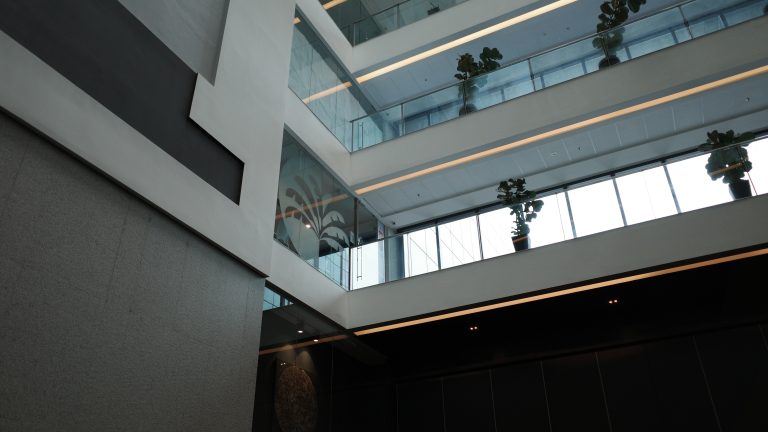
708, 382
714, 381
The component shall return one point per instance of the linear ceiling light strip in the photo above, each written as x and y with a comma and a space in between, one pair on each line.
566, 129
462, 40
302, 344
568, 291
333, 3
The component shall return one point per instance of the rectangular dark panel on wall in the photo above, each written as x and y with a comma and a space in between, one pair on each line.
468, 403
575, 394
370, 409
736, 364
108, 53
519, 398
656, 387
420, 406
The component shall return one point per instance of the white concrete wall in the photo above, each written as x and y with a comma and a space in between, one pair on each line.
307, 284
695, 234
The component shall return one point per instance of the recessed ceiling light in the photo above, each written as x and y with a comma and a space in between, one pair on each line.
308, 225
315, 340
300, 331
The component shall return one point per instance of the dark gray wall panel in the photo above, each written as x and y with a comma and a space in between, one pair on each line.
420, 407
736, 364
103, 49
468, 403
657, 386
575, 394
519, 398
112, 315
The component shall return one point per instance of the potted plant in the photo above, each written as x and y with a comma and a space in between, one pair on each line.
470, 69
610, 34
729, 160
524, 206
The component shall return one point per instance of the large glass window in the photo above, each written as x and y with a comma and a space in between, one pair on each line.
646, 195
420, 249
595, 208
552, 223
693, 186
459, 243
496, 232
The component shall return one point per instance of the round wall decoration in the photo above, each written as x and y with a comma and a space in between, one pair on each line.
295, 401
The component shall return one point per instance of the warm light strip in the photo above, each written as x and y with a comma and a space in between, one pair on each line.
565, 292
316, 204
462, 40
302, 344
327, 92
296, 20
333, 3
566, 129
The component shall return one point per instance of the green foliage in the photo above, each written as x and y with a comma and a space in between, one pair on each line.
521, 201
469, 69
728, 159
614, 13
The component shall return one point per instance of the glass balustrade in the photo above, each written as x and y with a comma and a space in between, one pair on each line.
358, 24
655, 190
650, 34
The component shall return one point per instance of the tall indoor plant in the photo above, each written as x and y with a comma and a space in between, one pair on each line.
524, 206
469, 76
610, 34
729, 160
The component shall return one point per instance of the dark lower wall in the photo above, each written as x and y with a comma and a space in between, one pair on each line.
713, 381
681, 351
112, 315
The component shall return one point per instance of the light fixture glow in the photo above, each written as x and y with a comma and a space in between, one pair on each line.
327, 92
465, 39
308, 226
568, 291
569, 128
315, 340
333, 3
300, 331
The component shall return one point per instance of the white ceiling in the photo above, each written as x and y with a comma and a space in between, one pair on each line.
517, 42
639, 137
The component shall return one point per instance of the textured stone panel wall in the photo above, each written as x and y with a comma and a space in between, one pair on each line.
112, 315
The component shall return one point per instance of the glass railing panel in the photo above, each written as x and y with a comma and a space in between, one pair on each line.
642, 196
381, 126
420, 252
652, 34
432, 109
709, 16
649, 34
693, 187
565, 63
646, 195
595, 208
459, 242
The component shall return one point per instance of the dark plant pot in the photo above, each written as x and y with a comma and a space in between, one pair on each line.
521, 242
740, 189
608, 61
466, 109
